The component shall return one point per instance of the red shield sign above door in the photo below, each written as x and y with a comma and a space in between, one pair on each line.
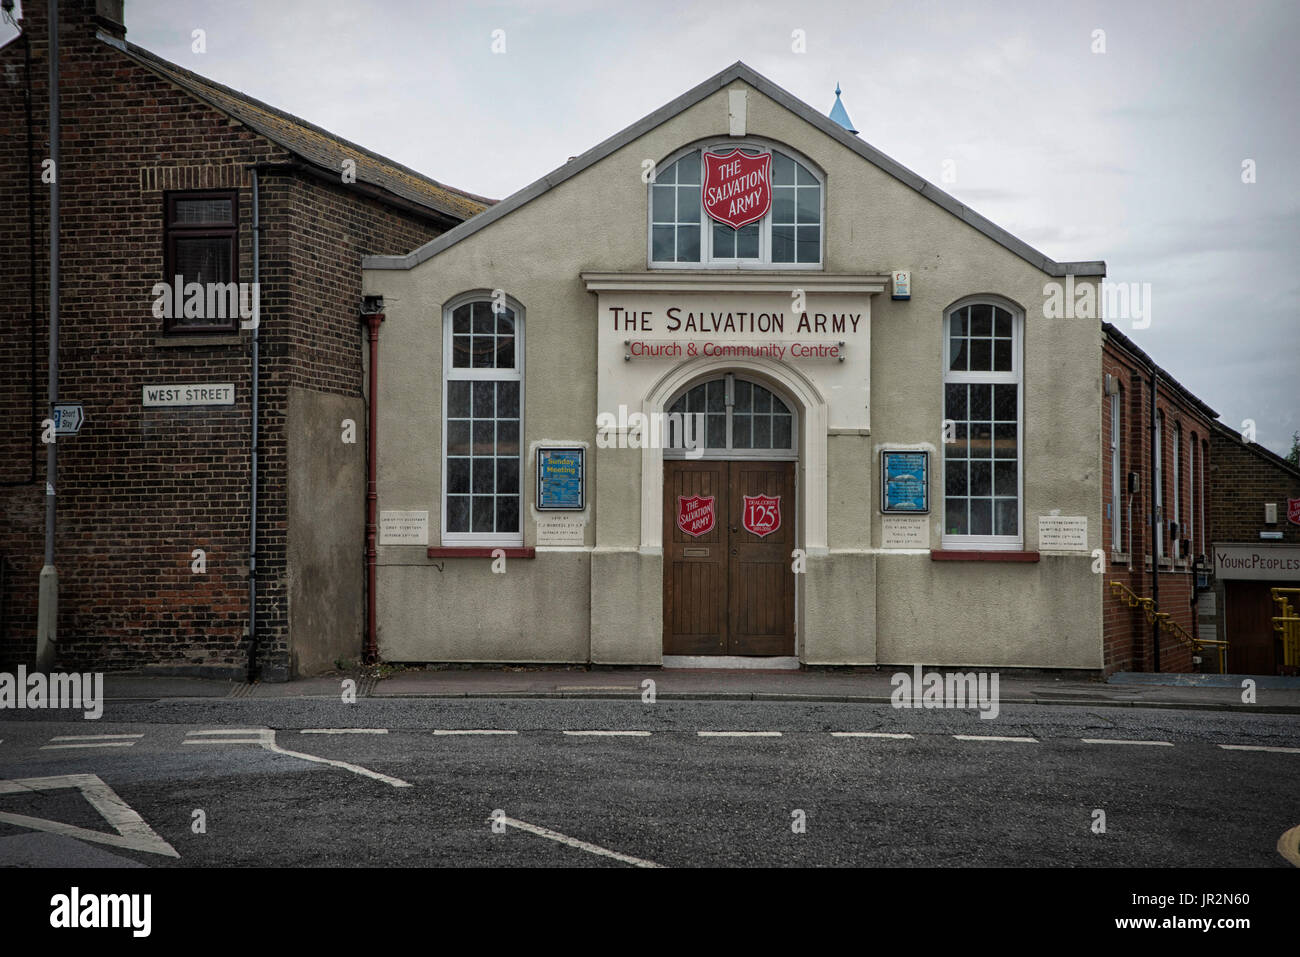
737, 187
762, 514
1293, 511
695, 514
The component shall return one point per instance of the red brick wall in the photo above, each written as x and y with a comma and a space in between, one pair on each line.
1127, 637
139, 488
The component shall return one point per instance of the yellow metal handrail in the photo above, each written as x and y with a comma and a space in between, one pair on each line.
1287, 624
1167, 624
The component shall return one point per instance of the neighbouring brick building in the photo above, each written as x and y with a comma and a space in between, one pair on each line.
158, 173
1255, 524
1181, 427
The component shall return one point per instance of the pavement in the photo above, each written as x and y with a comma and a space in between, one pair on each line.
868, 686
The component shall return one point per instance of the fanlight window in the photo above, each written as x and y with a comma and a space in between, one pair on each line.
738, 415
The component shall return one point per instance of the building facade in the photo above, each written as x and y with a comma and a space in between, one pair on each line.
899, 452
164, 173
1255, 523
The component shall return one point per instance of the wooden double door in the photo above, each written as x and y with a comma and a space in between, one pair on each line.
728, 576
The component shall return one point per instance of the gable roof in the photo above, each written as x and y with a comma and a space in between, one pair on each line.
309, 142
738, 71
1267, 454
1132, 348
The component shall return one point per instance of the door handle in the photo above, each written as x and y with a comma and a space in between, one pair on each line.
735, 551
734, 529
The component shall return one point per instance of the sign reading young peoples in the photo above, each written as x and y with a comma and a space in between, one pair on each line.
737, 187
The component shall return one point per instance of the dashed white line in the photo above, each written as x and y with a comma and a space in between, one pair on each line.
1157, 744
609, 734
94, 737
441, 731
91, 741
546, 832
343, 731
994, 737
738, 734
87, 744
266, 738
1259, 747
870, 734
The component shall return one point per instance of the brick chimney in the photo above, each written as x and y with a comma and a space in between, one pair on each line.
79, 19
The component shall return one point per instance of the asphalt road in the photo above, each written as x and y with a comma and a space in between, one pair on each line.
673, 797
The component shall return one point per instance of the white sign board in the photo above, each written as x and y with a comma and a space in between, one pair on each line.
196, 393
1274, 563
560, 528
905, 531
403, 528
1063, 533
68, 417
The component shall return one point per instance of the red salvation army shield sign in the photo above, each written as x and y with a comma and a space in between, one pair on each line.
737, 187
1293, 511
762, 514
695, 514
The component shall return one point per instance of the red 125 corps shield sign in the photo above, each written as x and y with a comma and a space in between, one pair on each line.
1293, 511
695, 514
762, 514
737, 187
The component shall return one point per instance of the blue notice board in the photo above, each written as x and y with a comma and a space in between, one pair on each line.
560, 479
905, 482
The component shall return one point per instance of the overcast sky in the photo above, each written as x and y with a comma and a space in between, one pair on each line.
1133, 155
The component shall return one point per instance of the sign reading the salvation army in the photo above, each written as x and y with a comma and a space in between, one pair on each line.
762, 514
905, 482
737, 187
1293, 511
695, 514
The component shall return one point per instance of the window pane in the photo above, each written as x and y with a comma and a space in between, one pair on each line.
507, 513
460, 320
506, 322
507, 475
724, 241
981, 320
955, 521
981, 516
981, 477
981, 409
508, 436
508, 400
981, 355
458, 437
782, 433
955, 478
484, 513
981, 440
483, 404
662, 243
505, 357
1004, 478
782, 244
458, 400
741, 430
747, 242
458, 475
717, 395
1004, 402
1005, 440
191, 212
957, 354
958, 322
715, 434
954, 402
782, 170
1002, 323
461, 349
809, 249
484, 352
1007, 517
762, 431
688, 205
688, 244
805, 178
664, 203
744, 396
688, 169
762, 399
484, 322
1002, 355
203, 260
484, 443
458, 513
809, 206
783, 204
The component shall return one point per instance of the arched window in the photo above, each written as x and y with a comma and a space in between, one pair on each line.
982, 448
682, 233
741, 419
482, 407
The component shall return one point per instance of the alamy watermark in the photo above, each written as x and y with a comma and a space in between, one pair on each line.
59, 690
953, 690
653, 430
207, 300
1122, 301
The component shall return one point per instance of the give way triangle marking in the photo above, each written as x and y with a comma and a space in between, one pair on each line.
133, 833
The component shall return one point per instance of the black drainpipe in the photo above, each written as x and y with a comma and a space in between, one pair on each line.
252, 497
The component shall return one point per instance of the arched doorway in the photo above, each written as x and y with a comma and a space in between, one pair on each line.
729, 517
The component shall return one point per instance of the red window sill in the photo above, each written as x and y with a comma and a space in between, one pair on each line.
478, 551
940, 555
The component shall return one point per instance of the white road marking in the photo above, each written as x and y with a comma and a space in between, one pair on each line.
574, 842
471, 731
94, 737
628, 688
1259, 747
266, 738
190, 734
868, 734
611, 734
994, 737
88, 744
132, 832
1288, 845
1160, 744
344, 731
739, 734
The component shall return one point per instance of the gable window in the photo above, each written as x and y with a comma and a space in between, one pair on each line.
201, 236
741, 419
788, 236
982, 399
483, 351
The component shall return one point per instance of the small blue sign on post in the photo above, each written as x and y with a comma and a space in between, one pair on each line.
905, 482
561, 484
68, 417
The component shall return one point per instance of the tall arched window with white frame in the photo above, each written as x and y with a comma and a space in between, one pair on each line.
1193, 455
1160, 488
983, 406
1177, 472
1116, 473
483, 379
789, 235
